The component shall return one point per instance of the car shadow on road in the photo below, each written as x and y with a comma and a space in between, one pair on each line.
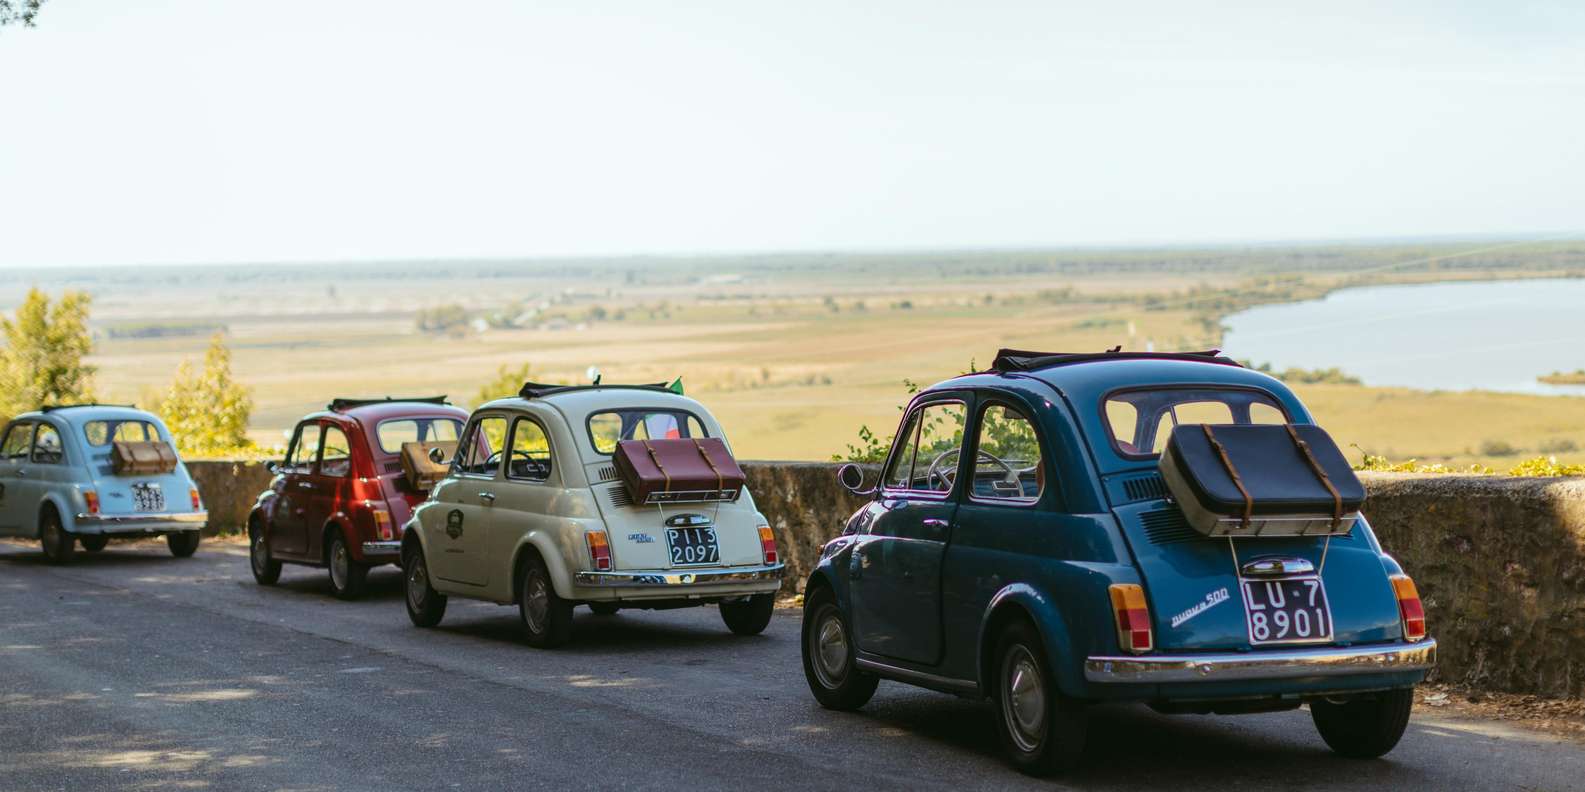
383, 586
602, 635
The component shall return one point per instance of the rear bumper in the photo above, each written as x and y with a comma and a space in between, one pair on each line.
139, 523
1264, 665
676, 580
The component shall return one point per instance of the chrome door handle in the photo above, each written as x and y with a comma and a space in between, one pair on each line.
22, 473
487, 497
304, 485
934, 522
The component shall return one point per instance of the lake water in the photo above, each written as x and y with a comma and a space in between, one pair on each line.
1497, 335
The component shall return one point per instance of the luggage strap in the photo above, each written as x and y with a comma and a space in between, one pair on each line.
1227, 462
654, 457
1320, 473
720, 480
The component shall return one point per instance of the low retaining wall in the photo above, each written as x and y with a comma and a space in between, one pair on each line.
1500, 562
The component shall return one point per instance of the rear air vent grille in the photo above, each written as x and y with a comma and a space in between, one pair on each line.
608, 473
618, 497
393, 467
1167, 526
1145, 488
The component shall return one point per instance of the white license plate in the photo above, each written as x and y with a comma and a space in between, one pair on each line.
1287, 611
690, 546
148, 497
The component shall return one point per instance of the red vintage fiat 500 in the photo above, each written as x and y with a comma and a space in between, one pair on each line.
344, 490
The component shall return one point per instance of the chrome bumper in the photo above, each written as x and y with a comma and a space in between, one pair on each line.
1278, 664
392, 547
141, 523
662, 578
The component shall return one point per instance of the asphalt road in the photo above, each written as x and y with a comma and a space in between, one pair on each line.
134, 670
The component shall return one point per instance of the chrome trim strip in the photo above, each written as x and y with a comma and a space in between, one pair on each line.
672, 577
391, 547
1263, 664
918, 676
143, 521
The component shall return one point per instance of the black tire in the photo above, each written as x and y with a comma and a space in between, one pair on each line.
1042, 731
604, 608
547, 618
93, 543
1365, 727
749, 616
183, 543
58, 543
266, 570
348, 578
425, 606
834, 678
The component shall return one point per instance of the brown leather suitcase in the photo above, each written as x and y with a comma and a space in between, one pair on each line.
687, 470
142, 457
422, 472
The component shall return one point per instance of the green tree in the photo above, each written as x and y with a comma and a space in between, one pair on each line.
23, 11
42, 361
508, 381
207, 411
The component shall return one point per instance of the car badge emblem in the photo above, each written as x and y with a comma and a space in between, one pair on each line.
454, 523
687, 521
640, 538
1211, 600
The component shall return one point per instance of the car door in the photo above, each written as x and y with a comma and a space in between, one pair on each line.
329, 486
896, 566
14, 505
289, 525
458, 541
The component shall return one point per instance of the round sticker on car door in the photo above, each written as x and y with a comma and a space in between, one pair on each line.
454, 523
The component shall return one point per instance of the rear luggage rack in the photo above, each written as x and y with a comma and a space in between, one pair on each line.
339, 404
1011, 360
53, 407
535, 390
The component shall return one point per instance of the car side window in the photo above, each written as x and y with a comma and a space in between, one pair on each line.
1008, 467
47, 446
304, 449
336, 457
933, 446
480, 452
530, 457
18, 439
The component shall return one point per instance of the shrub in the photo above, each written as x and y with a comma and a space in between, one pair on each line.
1497, 448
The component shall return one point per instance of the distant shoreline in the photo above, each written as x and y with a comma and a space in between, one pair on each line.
1563, 378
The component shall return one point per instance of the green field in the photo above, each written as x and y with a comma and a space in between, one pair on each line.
792, 352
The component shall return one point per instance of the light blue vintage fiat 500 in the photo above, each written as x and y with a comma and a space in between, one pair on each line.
62, 483
1023, 546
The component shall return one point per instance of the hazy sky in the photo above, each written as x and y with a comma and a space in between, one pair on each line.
197, 130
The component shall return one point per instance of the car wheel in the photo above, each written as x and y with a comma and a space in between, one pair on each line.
425, 605
266, 570
750, 615
604, 608
347, 576
1042, 731
828, 656
58, 544
93, 543
183, 543
547, 618
1364, 727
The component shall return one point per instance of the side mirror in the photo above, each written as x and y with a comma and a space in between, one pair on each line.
851, 477
437, 456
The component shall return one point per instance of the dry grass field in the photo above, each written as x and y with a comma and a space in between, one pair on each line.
793, 355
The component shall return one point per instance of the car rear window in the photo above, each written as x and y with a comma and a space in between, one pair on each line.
1140, 421
393, 433
103, 433
608, 428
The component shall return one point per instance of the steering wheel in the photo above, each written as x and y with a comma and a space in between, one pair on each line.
947, 474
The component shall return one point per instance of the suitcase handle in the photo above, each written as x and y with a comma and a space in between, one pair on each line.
1227, 462
1320, 473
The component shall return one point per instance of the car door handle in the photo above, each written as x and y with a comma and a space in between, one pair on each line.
934, 522
304, 485
487, 497
22, 473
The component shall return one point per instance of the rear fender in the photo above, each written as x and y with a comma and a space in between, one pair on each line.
1020, 600
63, 507
538, 541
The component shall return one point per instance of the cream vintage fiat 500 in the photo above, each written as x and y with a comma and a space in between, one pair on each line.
532, 513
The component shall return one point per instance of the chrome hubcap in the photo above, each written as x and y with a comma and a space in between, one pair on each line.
1023, 698
338, 565
536, 602
830, 651
417, 582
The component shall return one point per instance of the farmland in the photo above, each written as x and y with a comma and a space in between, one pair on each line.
793, 352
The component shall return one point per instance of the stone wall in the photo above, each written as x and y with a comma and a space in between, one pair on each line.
1500, 562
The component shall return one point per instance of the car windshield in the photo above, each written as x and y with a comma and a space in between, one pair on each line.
103, 433
1141, 421
609, 427
393, 433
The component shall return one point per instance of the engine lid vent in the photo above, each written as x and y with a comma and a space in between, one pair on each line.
1167, 526
607, 473
1145, 488
619, 497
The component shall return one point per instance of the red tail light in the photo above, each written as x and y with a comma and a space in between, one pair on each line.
382, 524
1409, 607
767, 544
1133, 618
92, 499
193, 493
599, 550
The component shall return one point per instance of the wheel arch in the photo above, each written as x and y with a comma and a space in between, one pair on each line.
537, 543
1020, 601
52, 502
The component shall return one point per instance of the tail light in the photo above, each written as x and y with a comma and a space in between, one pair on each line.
767, 544
382, 524
1409, 607
193, 493
92, 499
599, 550
1133, 618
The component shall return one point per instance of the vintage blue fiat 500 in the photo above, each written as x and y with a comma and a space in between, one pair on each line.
1021, 545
